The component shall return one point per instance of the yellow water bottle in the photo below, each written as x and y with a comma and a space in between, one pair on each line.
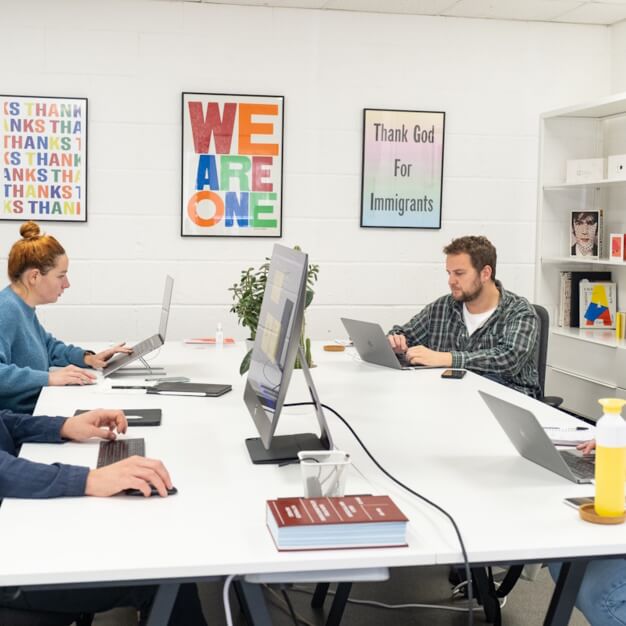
610, 459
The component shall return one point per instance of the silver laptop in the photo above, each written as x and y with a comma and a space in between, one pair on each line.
373, 346
147, 345
531, 441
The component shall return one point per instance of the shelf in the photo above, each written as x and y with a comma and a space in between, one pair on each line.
599, 336
560, 260
605, 107
595, 183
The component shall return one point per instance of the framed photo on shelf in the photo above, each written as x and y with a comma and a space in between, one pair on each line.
585, 239
402, 172
232, 165
43, 146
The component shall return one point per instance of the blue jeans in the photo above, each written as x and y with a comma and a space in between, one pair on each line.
602, 594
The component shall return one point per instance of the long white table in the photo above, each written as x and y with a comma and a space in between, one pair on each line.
435, 435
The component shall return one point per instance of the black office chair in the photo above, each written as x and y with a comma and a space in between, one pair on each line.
541, 354
19, 617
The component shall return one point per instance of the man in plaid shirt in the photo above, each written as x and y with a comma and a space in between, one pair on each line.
479, 326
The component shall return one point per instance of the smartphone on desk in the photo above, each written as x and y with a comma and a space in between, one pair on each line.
452, 373
578, 502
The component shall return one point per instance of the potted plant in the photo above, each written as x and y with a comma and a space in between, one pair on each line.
248, 297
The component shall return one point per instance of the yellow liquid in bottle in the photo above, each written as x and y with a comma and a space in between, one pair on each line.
610, 470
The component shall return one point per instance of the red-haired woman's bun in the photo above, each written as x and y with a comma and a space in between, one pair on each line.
30, 230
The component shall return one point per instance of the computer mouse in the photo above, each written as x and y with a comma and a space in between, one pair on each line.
153, 491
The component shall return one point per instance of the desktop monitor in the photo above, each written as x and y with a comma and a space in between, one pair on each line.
276, 344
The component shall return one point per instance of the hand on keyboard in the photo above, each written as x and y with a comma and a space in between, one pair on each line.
136, 472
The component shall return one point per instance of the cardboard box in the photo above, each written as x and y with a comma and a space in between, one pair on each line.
616, 169
584, 170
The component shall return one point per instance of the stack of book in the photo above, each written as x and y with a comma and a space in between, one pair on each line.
339, 522
569, 301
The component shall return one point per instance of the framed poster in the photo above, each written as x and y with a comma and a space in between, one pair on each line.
232, 165
402, 173
43, 145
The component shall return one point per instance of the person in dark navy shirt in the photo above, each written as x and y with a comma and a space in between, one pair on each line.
21, 478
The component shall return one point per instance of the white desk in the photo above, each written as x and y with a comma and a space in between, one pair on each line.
435, 435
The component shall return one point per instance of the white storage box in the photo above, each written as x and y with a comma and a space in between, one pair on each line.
616, 169
584, 170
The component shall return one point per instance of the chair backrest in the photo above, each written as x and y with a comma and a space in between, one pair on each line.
541, 352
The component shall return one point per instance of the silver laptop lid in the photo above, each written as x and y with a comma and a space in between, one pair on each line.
371, 343
165, 307
528, 436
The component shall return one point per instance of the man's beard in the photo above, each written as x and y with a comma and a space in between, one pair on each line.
470, 296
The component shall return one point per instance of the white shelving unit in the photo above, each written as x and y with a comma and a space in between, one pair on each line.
583, 364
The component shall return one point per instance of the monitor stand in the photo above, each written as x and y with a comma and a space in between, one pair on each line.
285, 448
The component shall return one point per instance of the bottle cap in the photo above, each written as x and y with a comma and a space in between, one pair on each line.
612, 405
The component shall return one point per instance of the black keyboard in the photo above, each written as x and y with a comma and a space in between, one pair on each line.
581, 466
120, 449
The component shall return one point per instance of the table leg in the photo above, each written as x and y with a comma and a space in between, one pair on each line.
252, 603
565, 592
163, 604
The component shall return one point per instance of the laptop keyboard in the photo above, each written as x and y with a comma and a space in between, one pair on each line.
581, 466
120, 449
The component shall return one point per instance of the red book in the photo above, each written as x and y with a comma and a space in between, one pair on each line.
340, 522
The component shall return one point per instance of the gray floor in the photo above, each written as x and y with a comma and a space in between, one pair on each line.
526, 605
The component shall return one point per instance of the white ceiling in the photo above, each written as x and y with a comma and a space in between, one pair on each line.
572, 11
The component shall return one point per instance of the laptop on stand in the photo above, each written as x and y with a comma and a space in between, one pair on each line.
146, 346
532, 442
373, 346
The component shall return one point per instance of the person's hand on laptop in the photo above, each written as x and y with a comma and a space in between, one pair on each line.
588, 447
100, 423
98, 361
398, 343
135, 472
71, 375
421, 355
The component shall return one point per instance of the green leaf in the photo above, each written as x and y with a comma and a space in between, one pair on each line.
245, 364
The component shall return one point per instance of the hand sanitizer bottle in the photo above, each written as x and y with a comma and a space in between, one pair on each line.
610, 459
219, 336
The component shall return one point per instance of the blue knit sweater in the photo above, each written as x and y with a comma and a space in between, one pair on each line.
27, 351
20, 478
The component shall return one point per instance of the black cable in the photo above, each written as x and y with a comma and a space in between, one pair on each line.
294, 617
468, 573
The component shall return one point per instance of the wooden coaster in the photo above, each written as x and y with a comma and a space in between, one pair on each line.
588, 513
334, 347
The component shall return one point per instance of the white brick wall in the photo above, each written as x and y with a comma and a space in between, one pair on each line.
132, 59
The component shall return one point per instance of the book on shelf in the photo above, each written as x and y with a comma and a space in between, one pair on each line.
598, 304
620, 325
586, 228
357, 521
569, 297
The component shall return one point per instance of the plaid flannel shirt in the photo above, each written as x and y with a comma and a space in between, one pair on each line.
503, 347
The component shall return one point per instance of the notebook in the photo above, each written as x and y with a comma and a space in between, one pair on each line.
137, 417
532, 442
147, 345
373, 346
189, 389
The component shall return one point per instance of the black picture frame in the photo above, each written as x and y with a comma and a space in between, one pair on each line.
247, 200
402, 168
43, 147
